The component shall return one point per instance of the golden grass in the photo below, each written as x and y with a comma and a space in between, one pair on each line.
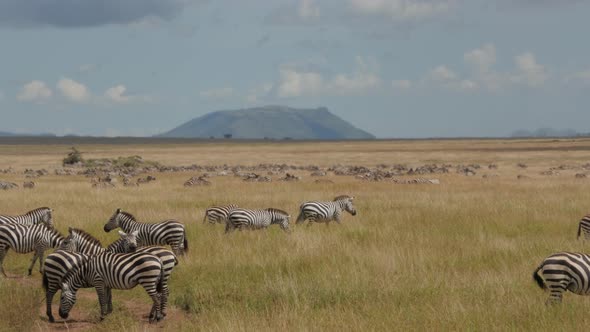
457, 256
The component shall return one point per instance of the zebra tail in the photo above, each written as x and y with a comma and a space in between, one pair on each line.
300, 217
45, 281
185, 244
579, 229
537, 277
160, 285
206, 215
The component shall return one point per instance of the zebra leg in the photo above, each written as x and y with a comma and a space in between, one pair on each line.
41, 262
229, 228
109, 300
102, 300
155, 313
164, 298
3, 251
33, 262
556, 293
49, 293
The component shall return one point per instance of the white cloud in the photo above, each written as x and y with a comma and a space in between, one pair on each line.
402, 10
295, 82
221, 93
442, 74
481, 59
35, 91
308, 10
401, 84
529, 71
117, 94
73, 91
259, 93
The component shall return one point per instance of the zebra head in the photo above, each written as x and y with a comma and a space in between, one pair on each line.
67, 300
346, 203
279, 217
42, 215
114, 222
129, 241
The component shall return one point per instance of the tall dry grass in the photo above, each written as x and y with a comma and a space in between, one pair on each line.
457, 256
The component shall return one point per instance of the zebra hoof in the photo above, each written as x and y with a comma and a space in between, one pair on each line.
51, 319
30, 272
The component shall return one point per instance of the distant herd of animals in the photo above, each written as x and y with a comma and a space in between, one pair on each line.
136, 257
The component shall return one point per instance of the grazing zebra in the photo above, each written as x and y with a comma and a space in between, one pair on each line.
584, 227
256, 219
67, 257
218, 214
33, 217
326, 211
564, 271
108, 271
169, 232
84, 243
25, 239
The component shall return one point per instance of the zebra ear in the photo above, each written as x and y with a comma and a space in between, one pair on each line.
135, 233
351, 198
118, 210
64, 287
122, 233
70, 229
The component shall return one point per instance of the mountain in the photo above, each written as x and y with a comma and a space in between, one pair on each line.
9, 134
274, 122
547, 132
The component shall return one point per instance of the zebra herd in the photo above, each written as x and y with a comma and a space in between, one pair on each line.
136, 257
566, 271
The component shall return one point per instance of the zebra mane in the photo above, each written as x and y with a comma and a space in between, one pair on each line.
86, 236
128, 215
277, 211
341, 197
37, 209
52, 230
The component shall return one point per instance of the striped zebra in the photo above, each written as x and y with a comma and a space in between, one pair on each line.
257, 219
108, 271
584, 227
564, 271
25, 239
218, 214
67, 257
84, 243
169, 232
33, 217
326, 211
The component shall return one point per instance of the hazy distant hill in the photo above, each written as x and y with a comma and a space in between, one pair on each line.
547, 132
8, 134
275, 122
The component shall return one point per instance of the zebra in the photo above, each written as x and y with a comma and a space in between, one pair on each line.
33, 217
218, 214
561, 272
326, 211
257, 219
24, 239
584, 227
84, 243
108, 271
71, 253
168, 232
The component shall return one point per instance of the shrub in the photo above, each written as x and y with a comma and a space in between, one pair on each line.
73, 157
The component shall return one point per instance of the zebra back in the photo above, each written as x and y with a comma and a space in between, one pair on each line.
25, 239
218, 214
33, 217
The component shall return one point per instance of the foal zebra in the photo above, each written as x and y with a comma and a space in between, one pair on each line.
25, 239
84, 243
584, 227
169, 232
257, 219
106, 271
33, 217
72, 252
564, 271
326, 211
218, 214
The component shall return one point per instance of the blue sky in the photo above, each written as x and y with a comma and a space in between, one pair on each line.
397, 68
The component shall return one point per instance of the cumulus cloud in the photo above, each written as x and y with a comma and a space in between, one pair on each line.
73, 91
401, 84
296, 82
36, 91
86, 13
402, 10
529, 71
259, 93
221, 93
481, 59
117, 94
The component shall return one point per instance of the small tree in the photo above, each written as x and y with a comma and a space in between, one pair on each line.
227, 135
73, 157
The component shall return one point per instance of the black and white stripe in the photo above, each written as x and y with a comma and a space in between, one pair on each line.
169, 232
218, 214
33, 217
25, 239
76, 248
326, 211
108, 271
584, 227
257, 219
564, 271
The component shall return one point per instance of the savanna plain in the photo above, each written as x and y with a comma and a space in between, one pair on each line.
454, 256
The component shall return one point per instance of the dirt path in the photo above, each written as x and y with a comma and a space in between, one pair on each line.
82, 321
